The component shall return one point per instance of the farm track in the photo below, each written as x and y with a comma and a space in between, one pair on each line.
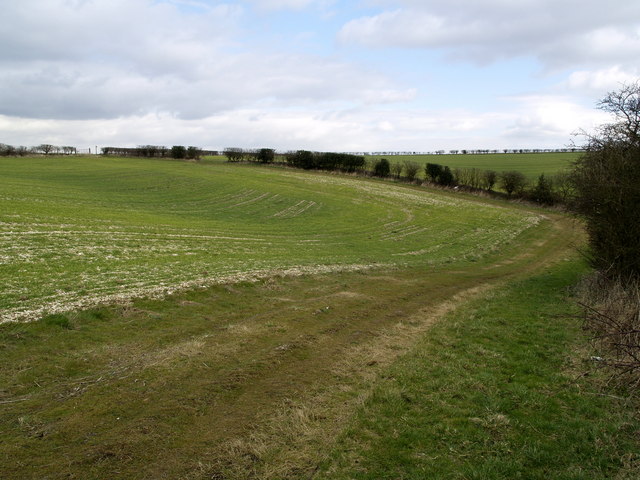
257, 392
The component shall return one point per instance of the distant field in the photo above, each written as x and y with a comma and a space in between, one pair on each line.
76, 231
530, 164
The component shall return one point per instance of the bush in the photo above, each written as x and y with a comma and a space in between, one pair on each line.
543, 191
513, 182
301, 159
193, 153
490, 179
396, 169
234, 154
605, 181
446, 177
433, 171
266, 155
178, 151
382, 168
411, 170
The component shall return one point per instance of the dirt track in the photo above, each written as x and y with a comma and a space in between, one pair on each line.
258, 392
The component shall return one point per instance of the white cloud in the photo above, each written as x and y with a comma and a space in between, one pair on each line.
560, 33
550, 118
596, 82
531, 122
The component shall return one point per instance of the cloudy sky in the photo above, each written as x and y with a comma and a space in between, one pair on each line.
361, 75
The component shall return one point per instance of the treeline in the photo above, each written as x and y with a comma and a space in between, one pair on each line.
43, 149
547, 190
345, 162
479, 151
158, 151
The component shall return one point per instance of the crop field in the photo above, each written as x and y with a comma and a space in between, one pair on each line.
199, 321
77, 231
530, 164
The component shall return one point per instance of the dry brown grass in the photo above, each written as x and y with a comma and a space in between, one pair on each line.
612, 314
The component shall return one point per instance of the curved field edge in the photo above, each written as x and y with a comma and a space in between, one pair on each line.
77, 232
251, 380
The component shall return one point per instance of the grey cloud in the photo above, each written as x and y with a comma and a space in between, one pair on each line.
113, 58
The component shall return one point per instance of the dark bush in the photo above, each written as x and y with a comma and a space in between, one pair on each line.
446, 177
234, 154
178, 151
193, 153
513, 182
433, 171
543, 191
266, 155
382, 168
605, 181
302, 159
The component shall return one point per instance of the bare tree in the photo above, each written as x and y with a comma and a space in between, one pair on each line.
45, 148
624, 105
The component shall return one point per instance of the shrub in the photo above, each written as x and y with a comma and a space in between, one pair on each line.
433, 171
382, 168
302, 159
266, 155
543, 191
234, 154
178, 151
446, 177
193, 153
490, 179
605, 181
513, 182
411, 170
396, 169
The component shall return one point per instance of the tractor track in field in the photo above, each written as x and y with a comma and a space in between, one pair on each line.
260, 392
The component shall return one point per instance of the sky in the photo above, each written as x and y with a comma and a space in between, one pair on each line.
326, 75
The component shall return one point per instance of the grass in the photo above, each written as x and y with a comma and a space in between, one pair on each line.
79, 231
494, 391
530, 164
409, 310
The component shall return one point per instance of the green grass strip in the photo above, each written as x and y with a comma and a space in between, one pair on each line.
495, 391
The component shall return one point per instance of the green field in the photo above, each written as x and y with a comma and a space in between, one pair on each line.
76, 231
199, 321
530, 164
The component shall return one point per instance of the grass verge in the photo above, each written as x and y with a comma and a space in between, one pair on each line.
495, 391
